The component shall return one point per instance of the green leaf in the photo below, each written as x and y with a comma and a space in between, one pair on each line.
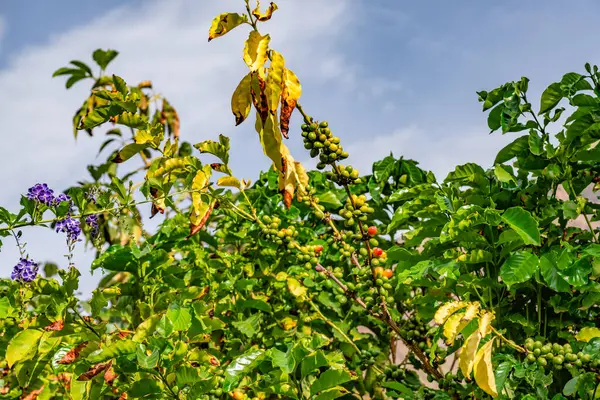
518, 268
313, 362
329, 199
146, 328
147, 359
517, 147
219, 149
502, 174
185, 376
144, 388
283, 360
180, 317
522, 222
330, 378
98, 116
248, 326
551, 273
240, 367
571, 386
23, 346
104, 57
551, 97
115, 349
129, 151
80, 390
120, 85
332, 393
4, 307
382, 170
536, 145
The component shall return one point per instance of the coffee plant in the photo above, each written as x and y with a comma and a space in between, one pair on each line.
311, 285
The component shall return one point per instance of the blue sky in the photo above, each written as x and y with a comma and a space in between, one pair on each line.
389, 75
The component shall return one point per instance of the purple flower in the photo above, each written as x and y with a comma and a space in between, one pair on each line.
25, 271
41, 193
60, 198
91, 194
92, 222
71, 227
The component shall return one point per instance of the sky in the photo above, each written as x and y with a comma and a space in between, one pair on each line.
389, 76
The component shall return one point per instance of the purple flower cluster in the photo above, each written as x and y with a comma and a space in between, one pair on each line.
71, 227
25, 271
41, 193
92, 222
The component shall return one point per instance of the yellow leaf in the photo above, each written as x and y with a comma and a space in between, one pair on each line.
292, 90
467, 354
198, 185
199, 216
230, 181
223, 23
255, 50
270, 138
288, 323
302, 179
471, 311
485, 323
296, 287
241, 100
267, 15
483, 371
448, 309
275, 80
453, 326
588, 333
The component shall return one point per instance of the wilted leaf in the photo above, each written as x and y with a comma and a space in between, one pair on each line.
485, 323
225, 22
230, 181
454, 324
241, 100
275, 78
255, 50
296, 288
270, 139
448, 309
94, 370
483, 370
292, 90
73, 354
55, 326
471, 311
267, 15
468, 352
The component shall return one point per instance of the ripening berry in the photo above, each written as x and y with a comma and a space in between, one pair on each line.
237, 395
378, 272
318, 248
372, 231
388, 273
377, 252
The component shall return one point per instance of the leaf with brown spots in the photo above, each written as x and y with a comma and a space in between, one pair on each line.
110, 376
292, 90
94, 370
256, 50
241, 100
55, 326
33, 394
170, 118
158, 206
72, 354
223, 23
198, 222
262, 17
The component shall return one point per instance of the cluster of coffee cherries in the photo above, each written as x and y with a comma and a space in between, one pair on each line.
321, 143
395, 372
356, 208
271, 229
367, 356
419, 333
450, 383
344, 175
558, 356
309, 255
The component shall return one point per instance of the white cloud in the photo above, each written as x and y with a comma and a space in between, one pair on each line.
170, 48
